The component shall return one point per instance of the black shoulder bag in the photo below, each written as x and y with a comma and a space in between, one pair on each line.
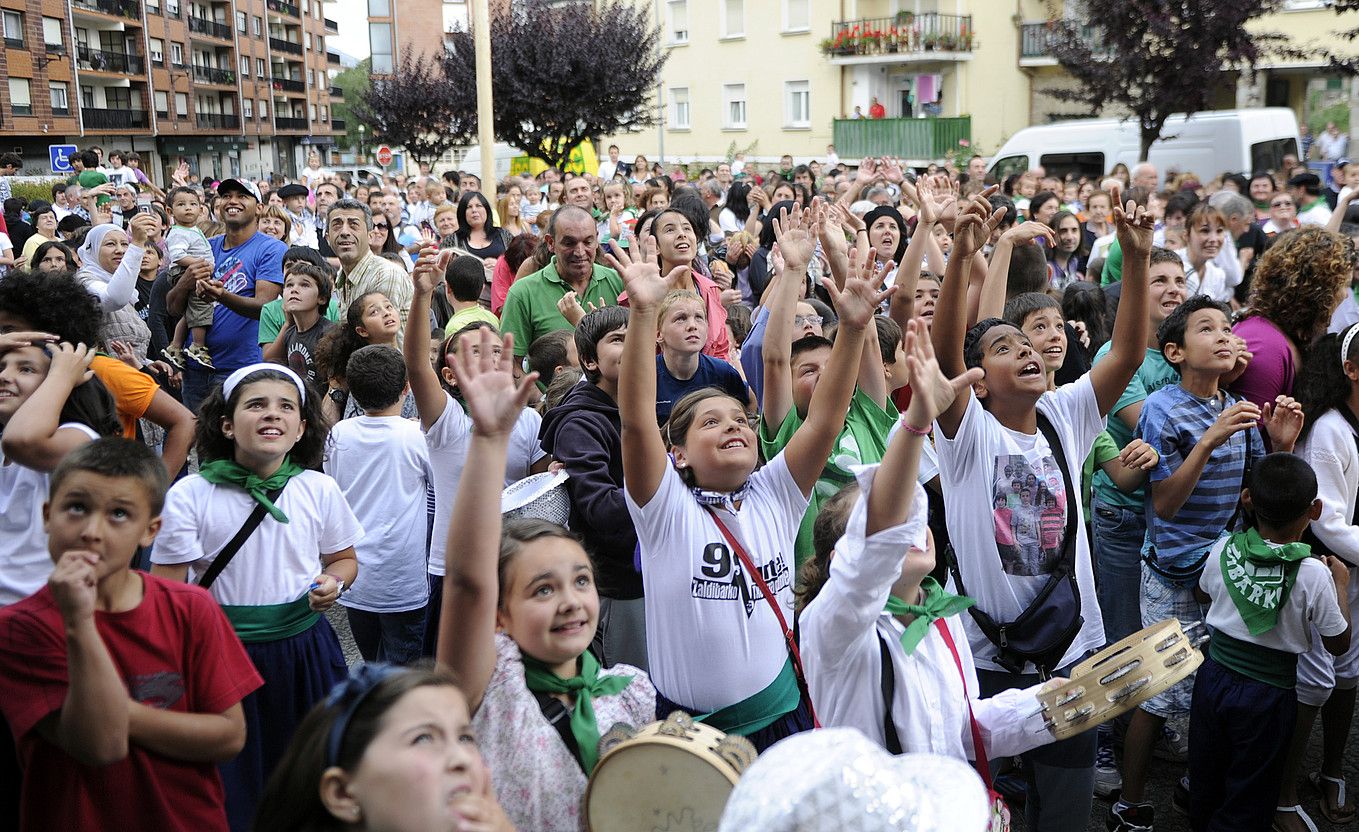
1047, 626
234, 545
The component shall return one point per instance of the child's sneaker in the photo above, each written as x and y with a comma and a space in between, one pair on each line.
1108, 781
1173, 744
1131, 817
200, 353
1179, 799
174, 355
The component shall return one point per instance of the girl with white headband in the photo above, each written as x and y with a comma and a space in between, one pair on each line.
273, 540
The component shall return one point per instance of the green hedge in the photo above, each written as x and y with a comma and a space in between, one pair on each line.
34, 190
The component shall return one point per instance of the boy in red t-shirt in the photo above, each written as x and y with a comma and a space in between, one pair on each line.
123, 690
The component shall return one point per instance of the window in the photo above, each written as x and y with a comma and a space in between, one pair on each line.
87, 97
156, 47
51, 34
679, 108
152, 7
311, 77
325, 113
733, 18
258, 25
734, 106
61, 98
245, 66
797, 104
181, 105
162, 104
313, 112
260, 69
677, 12
380, 47
263, 108
176, 53
172, 8
248, 108
306, 8
796, 16
19, 98
306, 39
455, 16
240, 22
14, 29
379, 8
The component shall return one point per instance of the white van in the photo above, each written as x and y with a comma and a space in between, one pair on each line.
504, 156
1209, 143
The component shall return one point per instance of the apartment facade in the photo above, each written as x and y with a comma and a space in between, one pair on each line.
235, 87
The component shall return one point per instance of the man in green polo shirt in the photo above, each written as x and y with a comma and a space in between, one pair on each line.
531, 305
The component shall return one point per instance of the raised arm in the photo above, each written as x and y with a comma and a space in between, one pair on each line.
832, 223
429, 393
902, 308
1127, 348
644, 454
795, 246
471, 581
996, 287
34, 437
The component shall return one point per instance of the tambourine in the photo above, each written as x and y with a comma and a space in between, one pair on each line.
1120, 677
665, 776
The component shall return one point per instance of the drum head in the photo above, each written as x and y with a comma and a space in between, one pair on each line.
650, 787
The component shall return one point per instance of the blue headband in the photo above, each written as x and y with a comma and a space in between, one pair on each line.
352, 693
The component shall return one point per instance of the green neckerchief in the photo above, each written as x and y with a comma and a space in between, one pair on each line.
936, 603
585, 687
1321, 200
1259, 576
231, 472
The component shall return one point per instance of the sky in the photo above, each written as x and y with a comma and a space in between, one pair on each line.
352, 15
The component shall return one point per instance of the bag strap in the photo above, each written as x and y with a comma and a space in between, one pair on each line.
1055, 445
749, 566
559, 717
234, 545
978, 749
888, 682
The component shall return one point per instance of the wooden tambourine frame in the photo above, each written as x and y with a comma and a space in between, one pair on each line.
1120, 677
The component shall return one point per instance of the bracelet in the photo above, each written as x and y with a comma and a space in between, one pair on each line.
912, 429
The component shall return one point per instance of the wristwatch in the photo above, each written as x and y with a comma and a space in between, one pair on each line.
336, 395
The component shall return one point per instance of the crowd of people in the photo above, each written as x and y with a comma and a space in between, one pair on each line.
757, 408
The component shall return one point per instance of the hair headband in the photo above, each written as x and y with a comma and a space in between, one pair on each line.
229, 386
1345, 344
352, 693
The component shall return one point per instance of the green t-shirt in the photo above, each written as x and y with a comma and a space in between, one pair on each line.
1154, 374
470, 315
1113, 265
92, 179
531, 305
863, 441
271, 318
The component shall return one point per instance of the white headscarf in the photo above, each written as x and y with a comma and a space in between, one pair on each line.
89, 251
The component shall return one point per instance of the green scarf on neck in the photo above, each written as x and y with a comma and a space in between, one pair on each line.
231, 472
935, 603
587, 685
1259, 576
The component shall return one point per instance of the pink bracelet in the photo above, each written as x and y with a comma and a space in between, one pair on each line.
912, 429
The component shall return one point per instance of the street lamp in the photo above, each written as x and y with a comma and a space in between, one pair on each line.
360, 159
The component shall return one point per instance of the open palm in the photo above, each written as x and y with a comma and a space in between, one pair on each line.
482, 369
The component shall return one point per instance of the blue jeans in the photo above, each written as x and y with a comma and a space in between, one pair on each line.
1118, 567
198, 384
394, 637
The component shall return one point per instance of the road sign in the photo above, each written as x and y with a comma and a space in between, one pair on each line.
384, 155
60, 157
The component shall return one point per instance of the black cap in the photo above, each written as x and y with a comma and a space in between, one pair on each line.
293, 189
1307, 181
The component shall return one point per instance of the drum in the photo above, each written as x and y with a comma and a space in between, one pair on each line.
1120, 677
667, 776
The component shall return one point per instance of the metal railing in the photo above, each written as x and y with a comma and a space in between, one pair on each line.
287, 85
222, 121
284, 123
291, 47
906, 32
336, 92
98, 119
332, 57
130, 9
332, 26
337, 124
909, 138
213, 75
211, 28
1035, 40
101, 61
283, 8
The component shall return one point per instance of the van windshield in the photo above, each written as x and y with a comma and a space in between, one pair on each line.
1080, 164
1010, 164
1268, 155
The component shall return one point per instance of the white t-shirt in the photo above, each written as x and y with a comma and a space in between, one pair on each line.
711, 637
1312, 601
1006, 555
1318, 214
382, 466
279, 561
1210, 281
24, 560
727, 221
447, 441
1329, 448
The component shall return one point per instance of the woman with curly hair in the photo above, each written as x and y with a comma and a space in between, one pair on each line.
1297, 285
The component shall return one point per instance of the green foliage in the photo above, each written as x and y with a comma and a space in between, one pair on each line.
354, 82
34, 190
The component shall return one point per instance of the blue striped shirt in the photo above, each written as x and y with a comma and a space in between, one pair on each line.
1173, 421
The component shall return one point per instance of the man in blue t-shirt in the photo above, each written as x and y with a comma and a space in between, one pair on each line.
248, 274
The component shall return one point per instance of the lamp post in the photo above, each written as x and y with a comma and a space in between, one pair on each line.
360, 159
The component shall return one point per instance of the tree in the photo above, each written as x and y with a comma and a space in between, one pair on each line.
561, 74
414, 108
1160, 57
354, 82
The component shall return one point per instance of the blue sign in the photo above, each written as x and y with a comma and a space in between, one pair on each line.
60, 157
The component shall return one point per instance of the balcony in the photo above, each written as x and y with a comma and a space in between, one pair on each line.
129, 9
213, 75
281, 45
281, 123
1035, 43
114, 119
283, 8
97, 60
332, 26
336, 92
287, 85
905, 38
337, 124
332, 58
211, 28
913, 139
219, 121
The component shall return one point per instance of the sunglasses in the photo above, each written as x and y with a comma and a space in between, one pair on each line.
381, 227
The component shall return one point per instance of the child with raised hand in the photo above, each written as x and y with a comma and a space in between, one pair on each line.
260, 438
447, 426
122, 689
996, 448
878, 602
520, 610
372, 318
716, 536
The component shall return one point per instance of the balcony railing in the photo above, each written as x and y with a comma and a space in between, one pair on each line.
130, 9
282, 123
287, 85
337, 124
909, 138
101, 61
332, 26
332, 57
905, 33
221, 121
211, 28
283, 8
113, 119
213, 75
336, 92
1035, 40
291, 47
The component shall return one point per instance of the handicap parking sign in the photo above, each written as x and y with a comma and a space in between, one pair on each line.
60, 157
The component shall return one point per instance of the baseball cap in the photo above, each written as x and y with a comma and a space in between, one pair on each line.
240, 185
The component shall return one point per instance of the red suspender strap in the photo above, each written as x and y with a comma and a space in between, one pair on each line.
749, 566
978, 749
